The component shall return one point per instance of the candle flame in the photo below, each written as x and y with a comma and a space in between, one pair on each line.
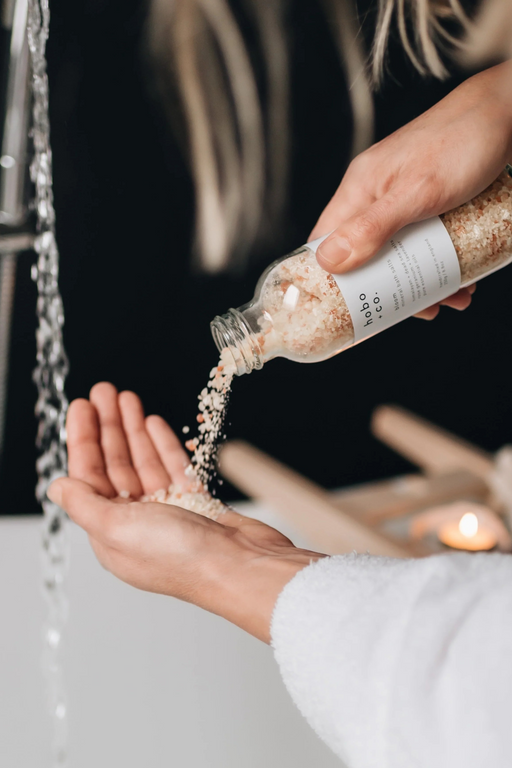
468, 525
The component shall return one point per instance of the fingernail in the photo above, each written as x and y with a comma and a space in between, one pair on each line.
334, 252
54, 493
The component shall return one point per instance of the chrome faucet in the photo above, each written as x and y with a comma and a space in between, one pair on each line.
16, 228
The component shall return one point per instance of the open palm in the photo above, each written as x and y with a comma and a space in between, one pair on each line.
114, 450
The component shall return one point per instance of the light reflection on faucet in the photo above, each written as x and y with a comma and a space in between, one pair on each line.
16, 229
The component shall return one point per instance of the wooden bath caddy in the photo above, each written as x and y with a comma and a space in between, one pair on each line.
380, 517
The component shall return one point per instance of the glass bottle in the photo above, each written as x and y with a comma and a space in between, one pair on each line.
303, 313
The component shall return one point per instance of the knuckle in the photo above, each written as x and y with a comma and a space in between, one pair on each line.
428, 191
360, 162
367, 226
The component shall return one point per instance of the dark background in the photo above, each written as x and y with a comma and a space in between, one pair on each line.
137, 313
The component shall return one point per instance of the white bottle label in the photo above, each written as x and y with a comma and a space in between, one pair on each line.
416, 268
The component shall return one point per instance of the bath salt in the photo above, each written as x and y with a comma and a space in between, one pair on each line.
319, 316
193, 497
213, 402
301, 312
481, 230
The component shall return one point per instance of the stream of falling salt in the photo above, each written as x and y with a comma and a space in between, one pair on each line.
49, 376
213, 403
195, 494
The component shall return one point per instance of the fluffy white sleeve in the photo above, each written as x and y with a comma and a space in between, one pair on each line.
402, 663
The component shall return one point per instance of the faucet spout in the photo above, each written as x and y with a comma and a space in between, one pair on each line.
16, 223
15, 116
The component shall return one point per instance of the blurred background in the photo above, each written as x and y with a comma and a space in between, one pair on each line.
137, 310
152, 680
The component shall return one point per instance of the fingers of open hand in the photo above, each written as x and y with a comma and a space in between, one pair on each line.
85, 456
115, 448
170, 450
114, 444
148, 464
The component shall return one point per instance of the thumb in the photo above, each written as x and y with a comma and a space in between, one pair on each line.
83, 504
359, 238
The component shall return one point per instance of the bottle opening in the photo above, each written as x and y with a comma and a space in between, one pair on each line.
232, 332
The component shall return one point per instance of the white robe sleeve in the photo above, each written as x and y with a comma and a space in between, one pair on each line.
402, 663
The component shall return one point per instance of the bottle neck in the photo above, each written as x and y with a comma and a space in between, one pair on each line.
231, 331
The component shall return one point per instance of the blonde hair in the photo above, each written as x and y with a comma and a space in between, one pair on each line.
425, 37
230, 147
239, 164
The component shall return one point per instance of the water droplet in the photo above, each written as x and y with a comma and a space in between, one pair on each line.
55, 525
53, 637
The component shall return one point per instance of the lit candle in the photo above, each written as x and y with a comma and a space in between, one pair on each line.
467, 534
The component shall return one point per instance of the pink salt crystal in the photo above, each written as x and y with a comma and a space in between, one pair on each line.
212, 406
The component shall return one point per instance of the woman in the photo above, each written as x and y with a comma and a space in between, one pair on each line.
394, 663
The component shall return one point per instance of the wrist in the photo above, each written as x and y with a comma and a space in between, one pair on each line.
247, 590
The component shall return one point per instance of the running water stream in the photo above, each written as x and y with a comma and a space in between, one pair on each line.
49, 376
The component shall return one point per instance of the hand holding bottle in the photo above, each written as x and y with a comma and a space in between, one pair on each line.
435, 163
235, 567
